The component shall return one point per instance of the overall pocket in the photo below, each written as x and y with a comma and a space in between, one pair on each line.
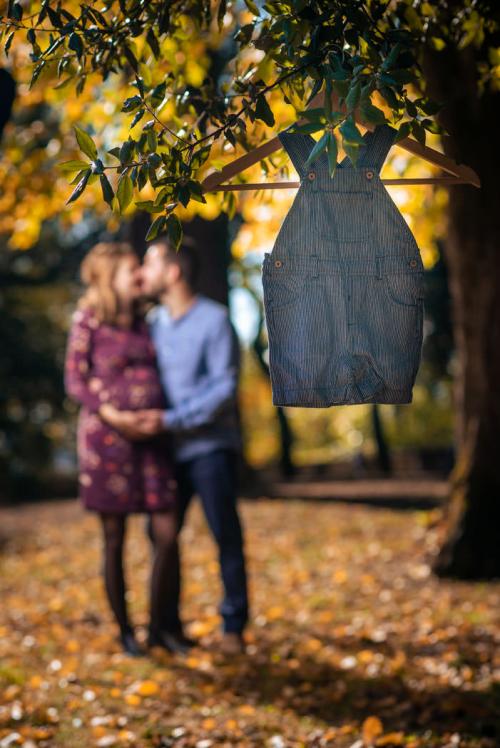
406, 289
281, 286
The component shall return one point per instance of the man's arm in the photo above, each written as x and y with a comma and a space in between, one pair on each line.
222, 381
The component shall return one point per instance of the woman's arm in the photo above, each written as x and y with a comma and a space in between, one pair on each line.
78, 363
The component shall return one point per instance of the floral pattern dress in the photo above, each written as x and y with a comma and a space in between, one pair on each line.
107, 364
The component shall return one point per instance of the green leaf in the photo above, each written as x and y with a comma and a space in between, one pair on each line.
174, 230
418, 131
221, 12
184, 194
390, 97
263, 111
8, 43
332, 151
252, 7
353, 96
339, 73
85, 142
158, 94
153, 43
131, 58
131, 103
307, 127
371, 113
317, 149
391, 58
403, 132
196, 191
38, 69
314, 115
149, 206
341, 87
16, 12
75, 43
137, 116
152, 140
124, 191
80, 187
155, 228
200, 157
68, 167
107, 190
352, 151
126, 151
79, 176
350, 133
411, 108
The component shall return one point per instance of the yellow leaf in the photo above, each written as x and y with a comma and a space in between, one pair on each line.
132, 699
208, 724
148, 688
275, 612
391, 738
339, 576
246, 709
371, 729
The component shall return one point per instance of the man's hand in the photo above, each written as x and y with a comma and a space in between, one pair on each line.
131, 424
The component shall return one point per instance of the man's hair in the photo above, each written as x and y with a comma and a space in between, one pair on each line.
186, 258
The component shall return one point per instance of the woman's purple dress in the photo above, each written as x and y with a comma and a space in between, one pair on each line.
107, 364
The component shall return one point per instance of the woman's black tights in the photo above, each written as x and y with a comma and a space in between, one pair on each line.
164, 528
113, 526
163, 577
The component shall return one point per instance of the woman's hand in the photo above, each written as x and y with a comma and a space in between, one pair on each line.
131, 424
153, 421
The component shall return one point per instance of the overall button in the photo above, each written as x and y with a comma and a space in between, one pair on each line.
278, 264
413, 263
311, 175
369, 174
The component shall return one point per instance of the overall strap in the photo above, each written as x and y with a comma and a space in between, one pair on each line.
377, 144
298, 145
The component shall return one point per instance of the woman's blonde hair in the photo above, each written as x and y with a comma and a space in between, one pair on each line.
97, 272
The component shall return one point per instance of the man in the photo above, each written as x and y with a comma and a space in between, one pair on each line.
198, 358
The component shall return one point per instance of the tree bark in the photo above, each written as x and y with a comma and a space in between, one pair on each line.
471, 545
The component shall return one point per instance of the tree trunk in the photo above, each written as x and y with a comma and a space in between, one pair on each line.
383, 454
471, 547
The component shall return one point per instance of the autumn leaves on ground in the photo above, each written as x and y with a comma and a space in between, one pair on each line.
353, 642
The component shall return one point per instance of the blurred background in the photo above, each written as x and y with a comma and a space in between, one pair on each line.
42, 243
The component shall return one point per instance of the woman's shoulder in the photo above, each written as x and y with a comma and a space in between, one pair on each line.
84, 316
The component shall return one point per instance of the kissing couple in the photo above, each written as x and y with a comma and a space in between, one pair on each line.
158, 424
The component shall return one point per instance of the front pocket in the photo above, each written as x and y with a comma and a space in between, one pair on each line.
405, 288
281, 287
345, 216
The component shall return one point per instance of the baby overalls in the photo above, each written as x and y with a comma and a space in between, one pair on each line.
343, 285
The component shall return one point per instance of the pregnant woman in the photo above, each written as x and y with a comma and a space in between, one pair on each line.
111, 371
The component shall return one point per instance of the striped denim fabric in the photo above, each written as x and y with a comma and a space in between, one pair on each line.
343, 285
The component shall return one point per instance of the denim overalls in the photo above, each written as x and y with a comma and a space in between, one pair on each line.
343, 285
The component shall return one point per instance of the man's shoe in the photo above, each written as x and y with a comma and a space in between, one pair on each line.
232, 643
130, 644
175, 642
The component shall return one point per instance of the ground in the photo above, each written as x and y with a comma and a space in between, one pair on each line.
353, 641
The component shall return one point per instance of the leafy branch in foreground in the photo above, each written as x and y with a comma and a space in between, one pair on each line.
366, 53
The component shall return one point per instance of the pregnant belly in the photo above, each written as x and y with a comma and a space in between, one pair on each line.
136, 390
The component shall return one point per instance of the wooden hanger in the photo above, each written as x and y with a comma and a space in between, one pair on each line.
460, 173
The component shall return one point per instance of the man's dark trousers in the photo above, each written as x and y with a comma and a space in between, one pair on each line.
213, 476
